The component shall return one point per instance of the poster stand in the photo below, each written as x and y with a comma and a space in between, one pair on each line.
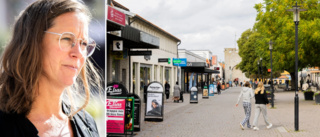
205, 92
154, 103
117, 91
193, 95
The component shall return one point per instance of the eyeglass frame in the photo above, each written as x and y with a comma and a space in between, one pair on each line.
60, 34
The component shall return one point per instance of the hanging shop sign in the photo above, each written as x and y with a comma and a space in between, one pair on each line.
182, 62
115, 115
140, 53
116, 16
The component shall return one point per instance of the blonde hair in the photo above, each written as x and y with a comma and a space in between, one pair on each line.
259, 88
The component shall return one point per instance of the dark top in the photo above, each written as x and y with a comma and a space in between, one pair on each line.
261, 98
167, 87
17, 125
218, 86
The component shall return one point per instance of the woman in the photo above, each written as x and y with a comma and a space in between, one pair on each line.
260, 106
167, 88
39, 72
246, 94
176, 92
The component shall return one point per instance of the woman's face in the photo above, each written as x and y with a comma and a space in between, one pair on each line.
61, 67
154, 105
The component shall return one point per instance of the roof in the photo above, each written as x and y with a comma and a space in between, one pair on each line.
119, 5
155, 26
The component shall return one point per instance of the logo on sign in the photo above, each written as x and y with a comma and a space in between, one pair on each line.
114, 91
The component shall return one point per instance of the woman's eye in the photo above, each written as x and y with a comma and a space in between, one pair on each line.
84, 44
66, 39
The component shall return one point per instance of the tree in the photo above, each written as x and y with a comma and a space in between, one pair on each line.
274, 22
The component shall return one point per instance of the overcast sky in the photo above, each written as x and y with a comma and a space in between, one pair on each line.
199, 24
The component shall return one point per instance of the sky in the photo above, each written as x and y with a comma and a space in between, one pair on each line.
199, 24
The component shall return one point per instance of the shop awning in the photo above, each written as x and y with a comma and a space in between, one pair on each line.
199, 70
134, 38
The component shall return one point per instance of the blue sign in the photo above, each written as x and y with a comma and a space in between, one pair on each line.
182, 62
211, 90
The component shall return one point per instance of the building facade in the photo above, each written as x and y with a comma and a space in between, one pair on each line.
232, 59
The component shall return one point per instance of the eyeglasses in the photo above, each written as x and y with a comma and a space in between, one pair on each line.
68, 40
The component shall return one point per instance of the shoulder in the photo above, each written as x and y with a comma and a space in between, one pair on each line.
15, 125
84, 122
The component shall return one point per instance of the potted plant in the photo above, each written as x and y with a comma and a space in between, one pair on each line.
317, 97
308, 94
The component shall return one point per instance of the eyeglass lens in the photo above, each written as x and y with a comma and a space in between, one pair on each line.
68, 41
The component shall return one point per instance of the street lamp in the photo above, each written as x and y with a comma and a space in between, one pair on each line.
296, 12
272, 91
261, 70
258, 70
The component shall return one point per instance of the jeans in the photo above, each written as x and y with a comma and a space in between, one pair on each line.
247, 111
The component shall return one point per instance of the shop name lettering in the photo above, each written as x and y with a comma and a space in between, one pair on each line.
113, 91
154, 88
114, 104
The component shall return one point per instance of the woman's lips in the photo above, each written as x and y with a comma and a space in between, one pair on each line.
72, 67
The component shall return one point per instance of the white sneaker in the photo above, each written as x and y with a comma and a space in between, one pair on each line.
255, 128
241, 126
269, 126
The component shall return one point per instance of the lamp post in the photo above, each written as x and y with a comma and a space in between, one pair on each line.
296, 12
258, 71
261, 70
272, 91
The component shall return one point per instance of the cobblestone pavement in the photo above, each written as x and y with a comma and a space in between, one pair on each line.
218, 116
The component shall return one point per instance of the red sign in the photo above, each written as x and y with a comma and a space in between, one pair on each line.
115, 115
214, 60
116, 16
269, 70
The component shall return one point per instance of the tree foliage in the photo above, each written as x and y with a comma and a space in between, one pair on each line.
274, 22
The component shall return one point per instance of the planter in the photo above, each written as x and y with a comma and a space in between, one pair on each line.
308, 95
317, 98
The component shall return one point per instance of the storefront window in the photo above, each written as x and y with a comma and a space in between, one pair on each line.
168, 74
145, 72
115, 70
134, 77
155, 72
161, 74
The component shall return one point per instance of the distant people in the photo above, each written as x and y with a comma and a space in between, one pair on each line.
167, 89
246, 94
219, 88
269, 82
155, 108
260, 106
287, 84
301, 83
280, 82
176, 92
241, 84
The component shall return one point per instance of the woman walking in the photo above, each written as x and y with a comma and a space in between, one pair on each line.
260, 106
176, 93
246, 94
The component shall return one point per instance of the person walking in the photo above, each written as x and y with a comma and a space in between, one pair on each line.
246, 94
260, 106
176, 92
167, 89
219, 88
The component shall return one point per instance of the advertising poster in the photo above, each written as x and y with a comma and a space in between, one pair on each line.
115, 115
211, 90
205, 92
154, 104
194, 95
129, 114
